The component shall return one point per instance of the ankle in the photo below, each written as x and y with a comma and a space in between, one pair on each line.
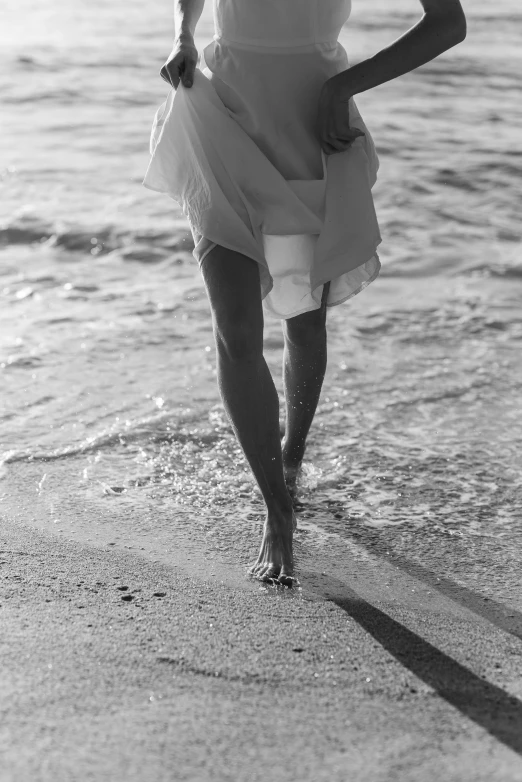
291, 467
279, 528
279, 512
292, 458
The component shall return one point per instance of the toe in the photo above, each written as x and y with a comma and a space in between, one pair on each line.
287, 581
285, 576
271, 573
257, 568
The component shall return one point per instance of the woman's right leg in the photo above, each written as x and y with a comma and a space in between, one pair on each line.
304, 367
250, 397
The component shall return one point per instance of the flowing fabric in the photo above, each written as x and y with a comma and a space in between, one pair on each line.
239, 152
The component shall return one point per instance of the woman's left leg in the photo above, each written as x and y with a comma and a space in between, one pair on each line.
304, 368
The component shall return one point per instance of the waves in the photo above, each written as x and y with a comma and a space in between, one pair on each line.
149, 429
149, 246
140, 246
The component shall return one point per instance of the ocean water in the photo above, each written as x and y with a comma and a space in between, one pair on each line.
111, 428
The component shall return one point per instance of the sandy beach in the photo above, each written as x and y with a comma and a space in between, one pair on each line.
117, 667
133, 645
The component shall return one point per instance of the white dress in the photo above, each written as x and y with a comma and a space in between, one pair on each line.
239, 152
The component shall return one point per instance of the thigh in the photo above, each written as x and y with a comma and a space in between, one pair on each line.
234, 291
304, 329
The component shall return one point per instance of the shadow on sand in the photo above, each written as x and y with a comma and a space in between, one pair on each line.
486, 704
505, 618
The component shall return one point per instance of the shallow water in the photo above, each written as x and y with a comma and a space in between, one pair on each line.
111, 427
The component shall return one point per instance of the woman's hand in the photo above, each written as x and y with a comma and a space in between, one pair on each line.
181, 63
335, 133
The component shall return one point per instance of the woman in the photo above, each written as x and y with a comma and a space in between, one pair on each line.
268, 156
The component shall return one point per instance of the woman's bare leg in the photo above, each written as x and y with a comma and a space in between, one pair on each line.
303, 374
250, 397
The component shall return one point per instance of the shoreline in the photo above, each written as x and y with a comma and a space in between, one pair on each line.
192, 677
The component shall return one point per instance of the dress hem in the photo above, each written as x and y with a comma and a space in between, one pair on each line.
362, 286
336, 303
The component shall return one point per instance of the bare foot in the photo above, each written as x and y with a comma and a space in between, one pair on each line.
275, 561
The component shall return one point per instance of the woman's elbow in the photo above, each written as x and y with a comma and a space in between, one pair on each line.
450, 27
456, 27
459, 28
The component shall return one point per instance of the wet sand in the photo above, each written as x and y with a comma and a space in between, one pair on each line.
117, 667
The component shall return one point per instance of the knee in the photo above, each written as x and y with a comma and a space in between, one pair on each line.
238, 338
308, 330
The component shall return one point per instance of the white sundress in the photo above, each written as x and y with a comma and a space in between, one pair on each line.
239, 152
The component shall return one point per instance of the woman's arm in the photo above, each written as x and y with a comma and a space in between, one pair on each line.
183, 58
442, 26
186, 16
